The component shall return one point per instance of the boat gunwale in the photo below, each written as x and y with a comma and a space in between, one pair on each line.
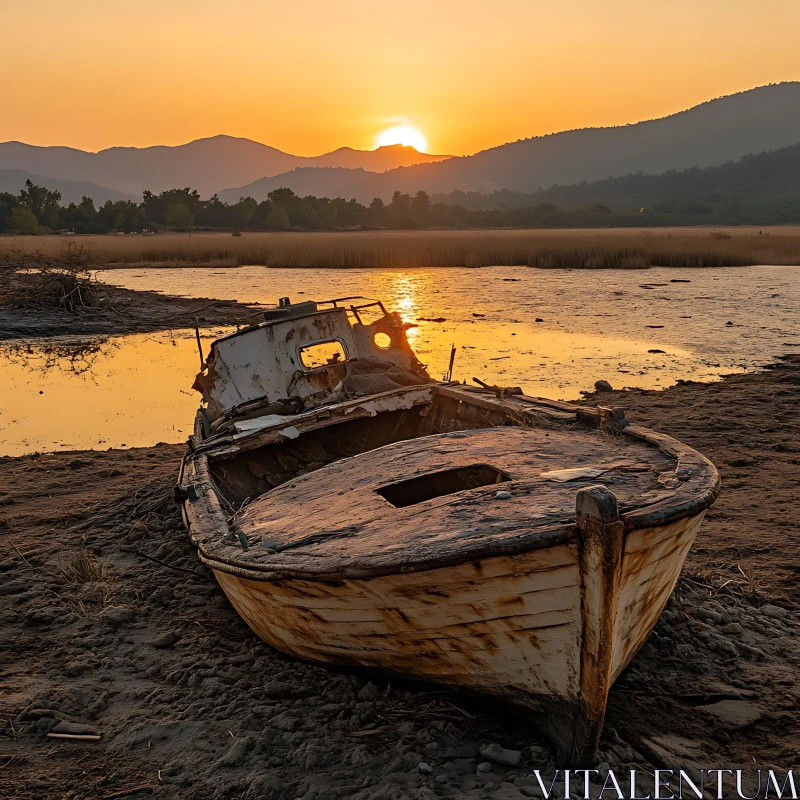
216, 446
698, 490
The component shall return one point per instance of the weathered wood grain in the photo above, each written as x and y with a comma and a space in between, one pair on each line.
651, 564
510, 621
345, 519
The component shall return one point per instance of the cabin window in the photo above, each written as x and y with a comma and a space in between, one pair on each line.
382, 340
438, 484
323, 354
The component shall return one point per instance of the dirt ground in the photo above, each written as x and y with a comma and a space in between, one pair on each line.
121, 311
111, 627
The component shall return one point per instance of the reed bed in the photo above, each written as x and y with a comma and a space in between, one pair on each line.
616, 249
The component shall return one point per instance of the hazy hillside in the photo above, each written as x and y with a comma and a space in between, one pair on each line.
325, 182
319, 181
771, 174
12, 180
710, 134
379, 160
208, 165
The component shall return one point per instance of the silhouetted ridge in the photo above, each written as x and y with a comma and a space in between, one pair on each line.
753, 176
209, 165
712, 133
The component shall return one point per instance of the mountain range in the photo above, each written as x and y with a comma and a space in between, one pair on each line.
208, 165
319, 181
713, 133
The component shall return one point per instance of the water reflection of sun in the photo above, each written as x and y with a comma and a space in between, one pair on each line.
403, 290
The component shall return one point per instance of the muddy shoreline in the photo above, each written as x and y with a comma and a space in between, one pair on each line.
111, 625
121, 311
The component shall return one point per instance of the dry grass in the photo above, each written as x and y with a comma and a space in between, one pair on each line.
83, 567
87, 581
590, 249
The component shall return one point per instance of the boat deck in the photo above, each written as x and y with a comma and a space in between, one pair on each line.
445, 498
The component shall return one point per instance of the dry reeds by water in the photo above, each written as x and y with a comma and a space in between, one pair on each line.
583, 249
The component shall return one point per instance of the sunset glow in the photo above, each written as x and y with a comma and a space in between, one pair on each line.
407, 135
464, 73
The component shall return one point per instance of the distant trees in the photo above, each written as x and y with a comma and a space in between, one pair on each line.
24, 220
277, 219
421, 205
179, 217
84, 217
37, 210
759, 189
8, 202
42, 203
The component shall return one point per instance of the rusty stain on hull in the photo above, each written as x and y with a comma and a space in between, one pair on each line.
512, 629
651, 565
448, 625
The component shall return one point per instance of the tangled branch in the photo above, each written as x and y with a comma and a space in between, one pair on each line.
41, 281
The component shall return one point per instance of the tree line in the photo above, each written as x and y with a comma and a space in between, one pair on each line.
38, 210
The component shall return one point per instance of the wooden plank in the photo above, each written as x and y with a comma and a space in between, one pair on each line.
601, 541
646, 539
526, 635
316, 419
648, 578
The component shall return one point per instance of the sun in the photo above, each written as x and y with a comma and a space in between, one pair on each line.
407, 135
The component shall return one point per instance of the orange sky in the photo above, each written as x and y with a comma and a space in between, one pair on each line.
308, 76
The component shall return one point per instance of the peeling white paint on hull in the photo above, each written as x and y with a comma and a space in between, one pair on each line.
510, 627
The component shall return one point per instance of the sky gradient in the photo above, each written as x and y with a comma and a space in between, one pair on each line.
308, 76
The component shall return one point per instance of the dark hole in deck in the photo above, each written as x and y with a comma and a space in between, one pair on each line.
438, 484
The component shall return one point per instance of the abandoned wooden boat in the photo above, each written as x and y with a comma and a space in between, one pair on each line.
357, 512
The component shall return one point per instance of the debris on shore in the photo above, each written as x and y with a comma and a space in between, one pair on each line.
64, 298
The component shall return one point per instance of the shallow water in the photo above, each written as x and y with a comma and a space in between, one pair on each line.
132, 391
595, 324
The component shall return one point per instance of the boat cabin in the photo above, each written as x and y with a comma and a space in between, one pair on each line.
303, 355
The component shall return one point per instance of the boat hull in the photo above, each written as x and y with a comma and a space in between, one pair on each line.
548, 629
351, 512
